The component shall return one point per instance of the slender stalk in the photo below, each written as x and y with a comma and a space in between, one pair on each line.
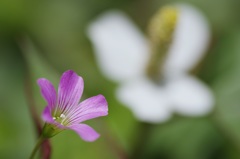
39, 142
112, 142
25, 45
145, 130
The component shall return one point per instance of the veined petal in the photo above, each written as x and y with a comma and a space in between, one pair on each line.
47, 116
85, 132
69, 91
88, 109
190, 42
48, 92
189, 96
121, 49
147, 101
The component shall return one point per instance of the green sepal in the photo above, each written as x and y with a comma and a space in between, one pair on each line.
50, 130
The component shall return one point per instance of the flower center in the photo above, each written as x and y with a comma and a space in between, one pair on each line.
60, 119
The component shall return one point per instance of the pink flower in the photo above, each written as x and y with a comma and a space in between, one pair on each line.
63, 111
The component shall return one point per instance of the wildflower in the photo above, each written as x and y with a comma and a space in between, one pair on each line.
63, 111
123, 53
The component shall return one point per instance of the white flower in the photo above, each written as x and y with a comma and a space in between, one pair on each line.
191, 40
122, 52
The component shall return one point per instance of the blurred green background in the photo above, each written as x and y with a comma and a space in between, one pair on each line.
44, 38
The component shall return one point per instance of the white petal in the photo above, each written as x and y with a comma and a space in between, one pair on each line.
147, 101
191, 40
120, 48
190, 96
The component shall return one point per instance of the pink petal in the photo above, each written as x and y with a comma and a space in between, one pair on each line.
88, 109
48, 92
47, 116
85, 132
69, 91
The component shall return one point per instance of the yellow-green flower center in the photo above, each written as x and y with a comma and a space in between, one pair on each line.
60, 119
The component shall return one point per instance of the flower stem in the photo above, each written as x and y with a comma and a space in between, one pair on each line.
145, 130
39, 142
